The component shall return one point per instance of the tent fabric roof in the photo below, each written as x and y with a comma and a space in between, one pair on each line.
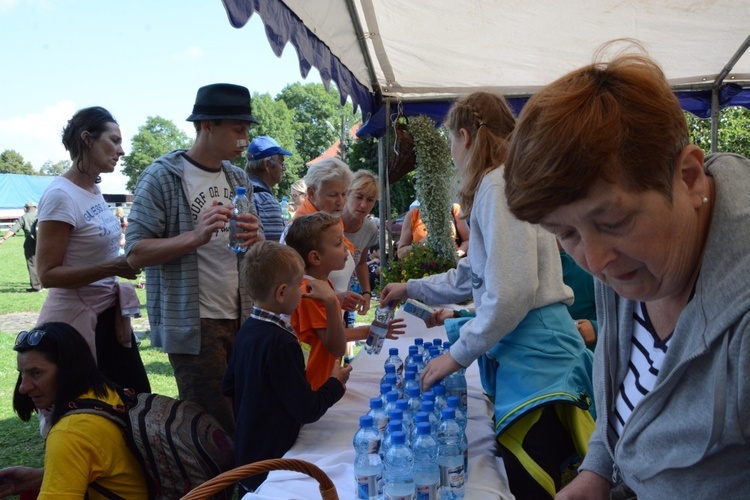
16, 189
433, 50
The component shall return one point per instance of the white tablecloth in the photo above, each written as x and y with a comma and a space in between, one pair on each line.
328, 442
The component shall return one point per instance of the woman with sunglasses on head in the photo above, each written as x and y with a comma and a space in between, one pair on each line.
55, 367
78, 241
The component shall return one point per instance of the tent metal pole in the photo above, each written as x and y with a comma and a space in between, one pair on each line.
716, 89
362, 40
386, 246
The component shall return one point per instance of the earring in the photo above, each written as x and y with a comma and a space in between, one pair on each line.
704, 200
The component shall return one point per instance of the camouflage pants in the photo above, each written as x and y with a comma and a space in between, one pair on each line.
199, 376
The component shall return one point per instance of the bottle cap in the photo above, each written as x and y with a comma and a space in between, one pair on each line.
398, 437
365, 421
453, 401
413, 391
376, 403
393, 351
423, 428
390, 368
241, 191
449, 413
423, 416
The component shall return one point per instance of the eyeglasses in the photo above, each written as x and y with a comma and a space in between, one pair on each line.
32, 337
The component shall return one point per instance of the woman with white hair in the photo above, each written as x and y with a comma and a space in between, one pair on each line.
328, 184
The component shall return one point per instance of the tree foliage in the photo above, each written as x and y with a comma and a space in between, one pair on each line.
154, 139
317, 117
734, 131
55, 169
11, 162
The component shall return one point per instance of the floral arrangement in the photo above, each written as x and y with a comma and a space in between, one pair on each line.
419, 263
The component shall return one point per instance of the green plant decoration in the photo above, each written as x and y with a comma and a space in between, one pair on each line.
433, 185
433, 178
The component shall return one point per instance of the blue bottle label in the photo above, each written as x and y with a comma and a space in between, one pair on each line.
426, 492
369, 487
452, 477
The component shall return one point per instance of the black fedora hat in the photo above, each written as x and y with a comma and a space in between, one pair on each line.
222, 101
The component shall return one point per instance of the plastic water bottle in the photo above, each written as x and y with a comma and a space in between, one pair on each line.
451, 448
409, 361
426, 354
414, 403
434, 352
455, 403
410, 379
422, 417
455, 385
394, 360
419, 364
378, 329
385, 388
368, 465
285, 215
429, 407
391, 398
439, 344
419, 342
399, 469
241, 206
393, 425
407, 419
426, 469
379, 416
392, 379
440, 399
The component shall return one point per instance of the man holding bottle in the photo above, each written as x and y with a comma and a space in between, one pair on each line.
178, 230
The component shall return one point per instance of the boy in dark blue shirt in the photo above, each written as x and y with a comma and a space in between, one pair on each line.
266, 374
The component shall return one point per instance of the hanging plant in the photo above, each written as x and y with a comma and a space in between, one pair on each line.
433, 189
433, 185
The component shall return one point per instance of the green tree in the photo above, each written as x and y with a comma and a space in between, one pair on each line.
734, 131
277, 121
157, 137
55, 169
317, 117
11, 162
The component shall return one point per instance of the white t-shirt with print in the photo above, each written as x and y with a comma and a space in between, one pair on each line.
218, 278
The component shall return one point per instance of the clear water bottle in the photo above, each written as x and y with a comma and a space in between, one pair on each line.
419, 342
378, 329
391, 398
429, 407
422, 417
399, 469
407, 418
455, 403
368, 464
426, 354
389, 370
426, 469
392, 379
286, 216
414, 402
409, 361
394, 424
379, 416
439, 344
419, 364
385, 388
440, 399
455, 385
451, 459
394, 360
410, 379
241, 206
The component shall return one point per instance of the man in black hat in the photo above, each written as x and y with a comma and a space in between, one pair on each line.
178, 230
27, 223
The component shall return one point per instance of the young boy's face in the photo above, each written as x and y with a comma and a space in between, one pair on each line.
292, 295
333, 251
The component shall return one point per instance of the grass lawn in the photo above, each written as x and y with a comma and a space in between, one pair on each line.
20, 443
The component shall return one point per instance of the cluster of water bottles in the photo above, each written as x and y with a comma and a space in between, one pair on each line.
412, 444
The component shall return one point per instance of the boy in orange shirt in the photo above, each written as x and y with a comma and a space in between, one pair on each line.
319, 239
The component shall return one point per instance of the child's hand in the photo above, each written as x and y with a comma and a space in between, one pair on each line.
341, 372
438, 317
319, 290
396, 327
393, 292
351, 301
586, 329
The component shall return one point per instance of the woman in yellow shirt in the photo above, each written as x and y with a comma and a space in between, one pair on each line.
55, 367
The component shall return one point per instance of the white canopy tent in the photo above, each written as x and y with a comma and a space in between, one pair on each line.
412, 56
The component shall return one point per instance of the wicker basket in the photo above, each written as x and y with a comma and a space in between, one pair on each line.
404, 158
222, 481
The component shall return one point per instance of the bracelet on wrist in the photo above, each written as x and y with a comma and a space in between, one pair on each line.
367, 293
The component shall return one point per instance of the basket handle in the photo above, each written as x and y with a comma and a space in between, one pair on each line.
222, 481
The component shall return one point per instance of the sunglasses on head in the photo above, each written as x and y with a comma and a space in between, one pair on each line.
31, 338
